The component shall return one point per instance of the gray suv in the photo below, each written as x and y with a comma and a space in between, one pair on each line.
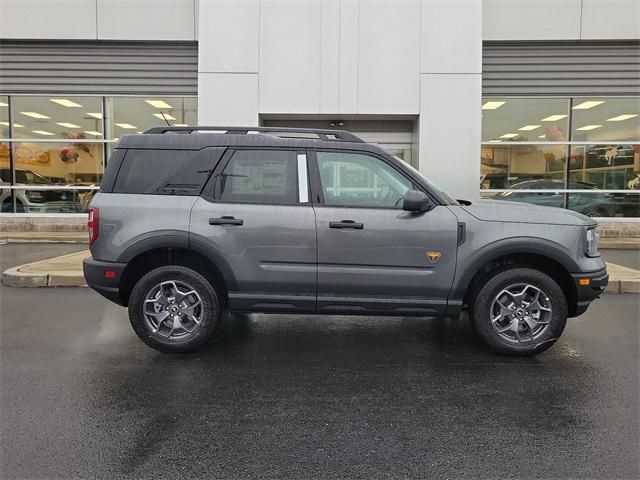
192, 222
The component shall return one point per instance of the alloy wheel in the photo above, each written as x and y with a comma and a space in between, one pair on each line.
173, 310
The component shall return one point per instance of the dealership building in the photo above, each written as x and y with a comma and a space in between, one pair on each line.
527, 100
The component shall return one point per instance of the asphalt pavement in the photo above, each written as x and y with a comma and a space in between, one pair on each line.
309, 396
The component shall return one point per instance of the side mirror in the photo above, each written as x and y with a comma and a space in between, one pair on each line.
416, 201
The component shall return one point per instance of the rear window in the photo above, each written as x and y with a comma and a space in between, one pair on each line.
166, 172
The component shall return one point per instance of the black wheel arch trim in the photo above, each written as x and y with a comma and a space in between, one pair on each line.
183, 240
509, 246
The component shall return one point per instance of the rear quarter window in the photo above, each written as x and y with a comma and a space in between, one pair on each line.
166, 172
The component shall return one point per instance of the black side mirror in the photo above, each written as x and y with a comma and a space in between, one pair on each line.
417, 201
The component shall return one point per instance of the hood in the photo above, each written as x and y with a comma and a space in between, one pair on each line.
516, 212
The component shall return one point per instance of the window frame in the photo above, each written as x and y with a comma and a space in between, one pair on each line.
317, 192
211, 193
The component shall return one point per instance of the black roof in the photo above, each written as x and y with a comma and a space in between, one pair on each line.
197, 138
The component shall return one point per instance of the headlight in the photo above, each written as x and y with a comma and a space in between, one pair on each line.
592, 242
34, 196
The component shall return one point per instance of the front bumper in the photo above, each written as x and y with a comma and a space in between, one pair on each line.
589, 286
107, 285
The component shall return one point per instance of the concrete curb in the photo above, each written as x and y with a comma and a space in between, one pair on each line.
63, 271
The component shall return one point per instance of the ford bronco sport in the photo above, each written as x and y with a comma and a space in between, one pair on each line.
190, 222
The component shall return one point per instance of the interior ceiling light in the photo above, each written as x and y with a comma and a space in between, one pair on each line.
126, 125
163, 116
34, 115
159, 104
510, 135
95, 115
589, 127
15, 125
492, 105
68, 125
588, 104
42, 132
620, 118
542, 136
553, 118
93, 132
2, 104
528, 128
180, 125
65, 102
495, 141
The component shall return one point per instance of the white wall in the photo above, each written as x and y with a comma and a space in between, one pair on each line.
350, 57
561, 19
98, 19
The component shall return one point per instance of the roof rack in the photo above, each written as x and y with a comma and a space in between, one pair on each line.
321, 134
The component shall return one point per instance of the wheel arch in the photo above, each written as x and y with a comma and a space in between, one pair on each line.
540, 255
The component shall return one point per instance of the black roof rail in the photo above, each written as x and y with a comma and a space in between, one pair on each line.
329, 135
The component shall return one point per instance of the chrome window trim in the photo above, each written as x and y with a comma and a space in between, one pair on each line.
303, 179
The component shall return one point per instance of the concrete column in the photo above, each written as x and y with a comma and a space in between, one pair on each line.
450, 95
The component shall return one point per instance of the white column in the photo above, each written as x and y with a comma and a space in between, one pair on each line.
228, 62
450, 95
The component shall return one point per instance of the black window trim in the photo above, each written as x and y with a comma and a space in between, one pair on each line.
210, 192
317, 192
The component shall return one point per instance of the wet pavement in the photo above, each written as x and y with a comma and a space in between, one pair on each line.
309, 396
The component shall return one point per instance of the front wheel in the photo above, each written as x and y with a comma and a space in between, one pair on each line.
520, 311
174, 309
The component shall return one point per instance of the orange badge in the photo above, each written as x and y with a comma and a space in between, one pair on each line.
433, 256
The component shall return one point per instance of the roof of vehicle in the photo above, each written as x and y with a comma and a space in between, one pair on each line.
197, 138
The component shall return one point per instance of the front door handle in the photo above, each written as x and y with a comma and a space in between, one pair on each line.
346, 224
226, 220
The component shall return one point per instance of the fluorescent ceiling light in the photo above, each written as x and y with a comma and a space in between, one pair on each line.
542, 136
589, 127
42, 132
588, 104
495, 141
2, 104
163, 116
34, 115
528, 128
65, 103
126, 125
553, 118
510, 135
68, 125
95, 115
15, 125
93, 132
180, 125
620, 118
159, 104
492, 105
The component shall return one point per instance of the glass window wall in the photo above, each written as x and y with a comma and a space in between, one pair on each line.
53, 149
584, 153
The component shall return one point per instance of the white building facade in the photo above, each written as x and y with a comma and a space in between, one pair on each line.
492, 97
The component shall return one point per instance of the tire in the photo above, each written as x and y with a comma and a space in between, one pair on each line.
167, 289
509, 296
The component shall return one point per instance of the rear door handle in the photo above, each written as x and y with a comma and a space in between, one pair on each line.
346, 224
226, 220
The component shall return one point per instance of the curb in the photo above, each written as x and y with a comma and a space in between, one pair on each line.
13, 277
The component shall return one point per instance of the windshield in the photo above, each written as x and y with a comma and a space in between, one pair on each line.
28, 176
444, 196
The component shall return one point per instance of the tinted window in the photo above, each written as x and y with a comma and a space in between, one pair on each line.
165, 172
260, 176
353, 179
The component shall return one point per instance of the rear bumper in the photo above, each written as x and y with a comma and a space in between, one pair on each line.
96, 277
597, 281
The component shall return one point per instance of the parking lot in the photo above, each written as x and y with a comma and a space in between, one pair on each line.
309, 396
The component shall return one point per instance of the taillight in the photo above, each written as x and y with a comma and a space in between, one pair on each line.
94, 225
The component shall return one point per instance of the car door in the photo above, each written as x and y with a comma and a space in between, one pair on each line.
372, 255
256, 218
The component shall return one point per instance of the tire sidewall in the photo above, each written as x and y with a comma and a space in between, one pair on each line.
208, 295
481, 310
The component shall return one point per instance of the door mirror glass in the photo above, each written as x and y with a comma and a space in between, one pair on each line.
416, 201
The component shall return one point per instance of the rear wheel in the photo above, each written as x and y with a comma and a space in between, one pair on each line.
520, 311
174, 309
